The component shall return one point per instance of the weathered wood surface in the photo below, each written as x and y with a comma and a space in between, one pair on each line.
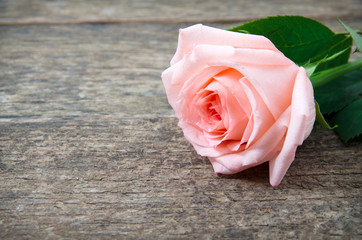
90, 149
139, 178
84, 70
88, 71
168, 11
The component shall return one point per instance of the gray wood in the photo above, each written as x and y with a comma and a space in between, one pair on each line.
89, 71
168, 11
84, 71
90, 149
139, 178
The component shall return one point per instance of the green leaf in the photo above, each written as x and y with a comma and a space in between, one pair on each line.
301, 39
340, 47
320, 119
356, 37
349, 121
340, 92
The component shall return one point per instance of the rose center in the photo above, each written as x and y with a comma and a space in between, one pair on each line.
210, 110
213, 113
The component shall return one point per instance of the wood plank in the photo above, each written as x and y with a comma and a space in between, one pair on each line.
88, 71
89, 147
84, 71
160, 11
136, 178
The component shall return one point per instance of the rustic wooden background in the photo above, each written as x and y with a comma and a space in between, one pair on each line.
90, 148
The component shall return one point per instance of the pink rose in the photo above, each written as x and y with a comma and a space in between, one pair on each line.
239, 100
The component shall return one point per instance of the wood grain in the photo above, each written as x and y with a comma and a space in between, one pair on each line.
139, 178
165, 11
84, 71
88, 71
90, 148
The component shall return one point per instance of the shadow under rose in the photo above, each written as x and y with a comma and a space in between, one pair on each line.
257, 174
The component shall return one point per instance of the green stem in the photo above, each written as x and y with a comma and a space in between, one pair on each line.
326, 76
347, 33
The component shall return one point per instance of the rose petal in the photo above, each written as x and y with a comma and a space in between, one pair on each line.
261, 151
301, 124
199, 34
230, 79
198, 59
274, 84
236, 116
261, 57
178, 99
262, 118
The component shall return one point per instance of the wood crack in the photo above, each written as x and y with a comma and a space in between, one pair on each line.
188, 20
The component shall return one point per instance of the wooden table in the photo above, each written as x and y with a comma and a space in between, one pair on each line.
90, 148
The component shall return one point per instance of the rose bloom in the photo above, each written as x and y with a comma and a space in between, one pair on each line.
239, 100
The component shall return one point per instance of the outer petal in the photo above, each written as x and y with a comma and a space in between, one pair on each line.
194, 64
200, 34
300, 126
